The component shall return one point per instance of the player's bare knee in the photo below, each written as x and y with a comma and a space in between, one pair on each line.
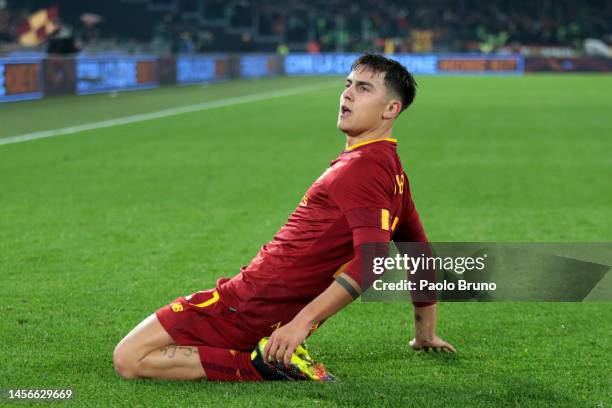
125, 365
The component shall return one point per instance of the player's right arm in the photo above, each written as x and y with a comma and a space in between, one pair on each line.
410, 229
425, 337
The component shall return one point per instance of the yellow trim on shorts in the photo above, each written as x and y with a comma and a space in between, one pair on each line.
209, 301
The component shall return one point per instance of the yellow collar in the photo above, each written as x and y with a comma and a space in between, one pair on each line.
386, 139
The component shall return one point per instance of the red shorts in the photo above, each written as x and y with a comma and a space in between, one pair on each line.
203, 320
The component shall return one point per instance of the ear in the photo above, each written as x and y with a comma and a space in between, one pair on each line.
393, 108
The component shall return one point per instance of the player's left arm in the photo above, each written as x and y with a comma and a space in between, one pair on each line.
285, 339
346, 288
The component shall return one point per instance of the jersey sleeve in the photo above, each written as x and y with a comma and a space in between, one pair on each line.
410, 228
362, 191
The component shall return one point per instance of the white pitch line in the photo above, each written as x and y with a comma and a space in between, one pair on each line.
164, 113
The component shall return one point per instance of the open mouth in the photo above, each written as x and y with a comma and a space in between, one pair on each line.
345, 111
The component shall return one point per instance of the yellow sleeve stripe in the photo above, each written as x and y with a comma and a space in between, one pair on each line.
395, 221
341, 269
209, 301
384, 219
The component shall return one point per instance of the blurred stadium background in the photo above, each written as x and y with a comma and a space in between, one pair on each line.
155, 42
152, 194
541, 27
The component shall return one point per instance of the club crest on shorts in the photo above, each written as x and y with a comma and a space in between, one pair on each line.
176, 307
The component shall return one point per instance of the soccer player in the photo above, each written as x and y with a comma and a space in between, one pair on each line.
312, 267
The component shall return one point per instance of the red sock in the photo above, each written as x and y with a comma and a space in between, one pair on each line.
227, 365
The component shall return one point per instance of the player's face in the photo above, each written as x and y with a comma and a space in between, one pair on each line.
363, 102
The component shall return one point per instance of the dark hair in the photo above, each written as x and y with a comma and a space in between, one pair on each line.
397, 78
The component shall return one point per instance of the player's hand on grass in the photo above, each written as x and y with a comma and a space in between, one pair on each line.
435, 344
284, 341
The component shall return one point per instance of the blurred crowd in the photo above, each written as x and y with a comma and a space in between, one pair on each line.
189, 26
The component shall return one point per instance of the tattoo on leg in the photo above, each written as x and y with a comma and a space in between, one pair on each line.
187, 351
168, 351
417, 317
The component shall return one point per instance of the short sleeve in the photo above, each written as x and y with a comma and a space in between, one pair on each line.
410, 228
362, 190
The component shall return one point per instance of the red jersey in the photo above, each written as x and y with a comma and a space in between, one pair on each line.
365, 186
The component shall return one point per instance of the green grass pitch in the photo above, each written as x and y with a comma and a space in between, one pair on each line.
99, 229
